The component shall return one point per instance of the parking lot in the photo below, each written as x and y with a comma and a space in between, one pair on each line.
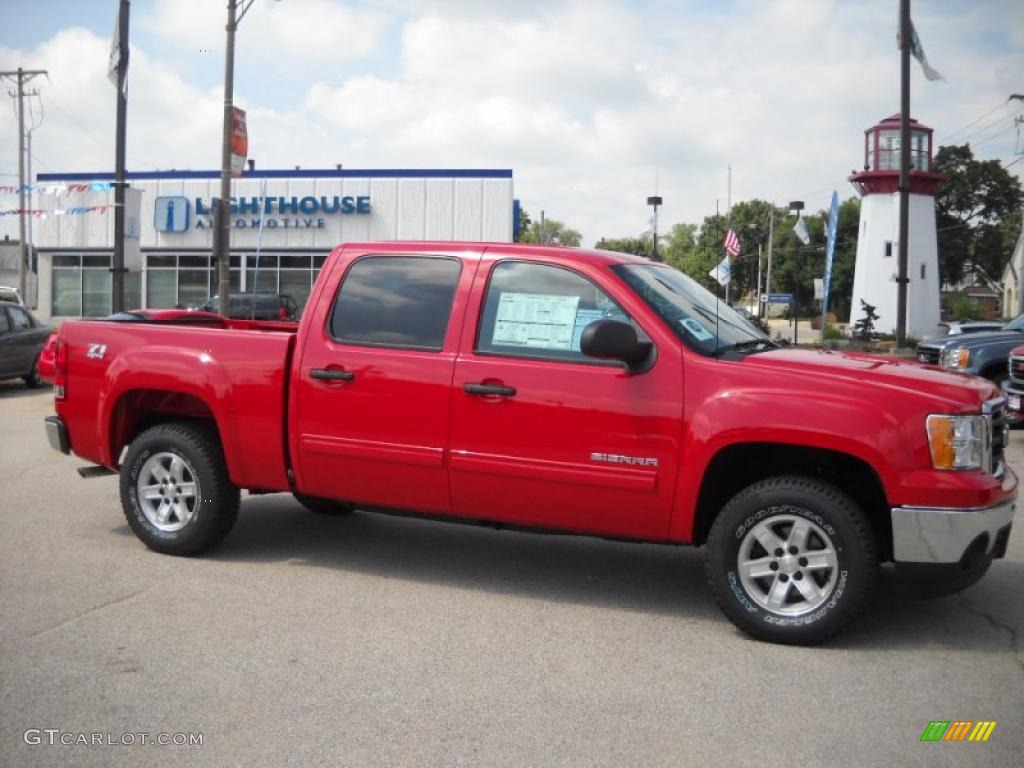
374, 640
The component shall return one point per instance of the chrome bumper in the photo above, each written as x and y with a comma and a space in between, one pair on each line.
57, 434
937, 535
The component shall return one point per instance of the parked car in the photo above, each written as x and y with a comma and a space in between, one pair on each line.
21, 340
958, 327
9, 294
983, 354
256, 306
1013, 387
518, 385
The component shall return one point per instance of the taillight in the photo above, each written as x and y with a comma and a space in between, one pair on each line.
60, 370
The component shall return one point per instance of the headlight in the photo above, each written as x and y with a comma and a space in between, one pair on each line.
958, 442
956, 358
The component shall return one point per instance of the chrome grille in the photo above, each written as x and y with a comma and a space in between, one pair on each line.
996, 412
1017, 369
928, 354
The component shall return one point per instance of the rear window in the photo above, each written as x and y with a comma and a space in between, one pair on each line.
396, 301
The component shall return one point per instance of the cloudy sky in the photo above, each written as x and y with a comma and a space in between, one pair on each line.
589, 102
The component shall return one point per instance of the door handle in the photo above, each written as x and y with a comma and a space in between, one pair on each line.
325, 374
489, 389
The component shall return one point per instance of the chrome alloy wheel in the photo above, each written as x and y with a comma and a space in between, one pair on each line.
168, 491
787, 565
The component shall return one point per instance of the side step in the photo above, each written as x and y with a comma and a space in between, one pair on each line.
95, 470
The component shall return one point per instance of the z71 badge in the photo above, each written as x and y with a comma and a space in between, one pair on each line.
96, 351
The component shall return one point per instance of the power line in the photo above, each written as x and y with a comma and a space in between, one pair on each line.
992, 111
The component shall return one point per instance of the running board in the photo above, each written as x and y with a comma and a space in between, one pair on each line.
95, 470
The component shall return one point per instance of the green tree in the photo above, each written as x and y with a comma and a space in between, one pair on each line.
524, 225
638, 246
553, 232
977, 209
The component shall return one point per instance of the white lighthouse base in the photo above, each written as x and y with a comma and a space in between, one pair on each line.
874, 278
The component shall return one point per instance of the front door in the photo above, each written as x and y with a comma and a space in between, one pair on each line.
543, 435
371, 394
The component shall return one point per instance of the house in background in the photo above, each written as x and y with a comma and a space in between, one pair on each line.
1012, 280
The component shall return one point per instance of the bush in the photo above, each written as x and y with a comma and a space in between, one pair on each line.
864, 329
833, 332
962, 308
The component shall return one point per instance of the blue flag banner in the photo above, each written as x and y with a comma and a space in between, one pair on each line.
830, 248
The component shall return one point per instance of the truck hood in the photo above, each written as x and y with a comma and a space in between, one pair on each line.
954, 391
974, 340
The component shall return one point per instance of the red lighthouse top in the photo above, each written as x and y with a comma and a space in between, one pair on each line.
881, 174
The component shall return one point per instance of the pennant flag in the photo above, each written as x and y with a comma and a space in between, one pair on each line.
732, 244
917, 51
801, 230
649, 228
723, 272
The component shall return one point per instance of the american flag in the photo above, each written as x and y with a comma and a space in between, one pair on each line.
732, 243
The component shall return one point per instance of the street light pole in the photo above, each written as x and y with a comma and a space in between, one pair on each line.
654, 201
902, 279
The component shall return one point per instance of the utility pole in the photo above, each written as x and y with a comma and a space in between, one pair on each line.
117, 266
902, 280
768, 277
222, 235
21, 76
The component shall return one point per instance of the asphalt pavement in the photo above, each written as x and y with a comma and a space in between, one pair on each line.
372, 640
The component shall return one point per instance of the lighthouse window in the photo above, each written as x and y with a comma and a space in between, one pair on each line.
922, 270
888, 249
888, 150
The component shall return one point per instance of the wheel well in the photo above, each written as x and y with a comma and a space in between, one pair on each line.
139, 409
738, 466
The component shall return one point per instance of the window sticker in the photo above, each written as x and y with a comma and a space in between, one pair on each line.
699, 331
584, 317
538, 320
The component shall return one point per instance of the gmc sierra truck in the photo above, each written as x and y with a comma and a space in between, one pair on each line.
560, 389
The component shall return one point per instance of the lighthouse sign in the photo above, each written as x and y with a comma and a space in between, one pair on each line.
170, 214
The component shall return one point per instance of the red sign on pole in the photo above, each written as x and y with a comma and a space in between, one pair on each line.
239, 141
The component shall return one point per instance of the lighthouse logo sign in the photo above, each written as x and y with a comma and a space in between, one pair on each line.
170, 214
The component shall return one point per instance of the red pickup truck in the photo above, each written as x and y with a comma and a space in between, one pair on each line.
559, 389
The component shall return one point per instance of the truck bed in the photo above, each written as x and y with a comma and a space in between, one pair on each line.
123, 375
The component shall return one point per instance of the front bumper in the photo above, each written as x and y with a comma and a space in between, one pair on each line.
1014, 395
57, 434
944, 535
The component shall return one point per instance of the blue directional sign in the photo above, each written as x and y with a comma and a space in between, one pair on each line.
778, 298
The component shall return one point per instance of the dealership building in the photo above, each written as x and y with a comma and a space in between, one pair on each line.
291, 218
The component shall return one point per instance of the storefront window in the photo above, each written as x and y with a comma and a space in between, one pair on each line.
67, 291
161, 288
81, 285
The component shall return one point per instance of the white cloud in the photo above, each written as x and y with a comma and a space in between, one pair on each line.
585, 101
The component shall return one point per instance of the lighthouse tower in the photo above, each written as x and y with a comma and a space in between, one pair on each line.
877, 268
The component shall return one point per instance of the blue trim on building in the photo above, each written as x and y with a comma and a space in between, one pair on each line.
323, 173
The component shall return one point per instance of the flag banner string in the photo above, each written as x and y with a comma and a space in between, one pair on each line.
42, 213
57, 189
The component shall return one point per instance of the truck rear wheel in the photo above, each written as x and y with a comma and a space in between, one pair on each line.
175, 489
791, 560
323, 506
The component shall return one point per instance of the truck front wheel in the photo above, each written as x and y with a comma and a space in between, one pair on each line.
175, 489
791, 560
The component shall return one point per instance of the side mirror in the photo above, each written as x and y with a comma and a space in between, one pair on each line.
615, 340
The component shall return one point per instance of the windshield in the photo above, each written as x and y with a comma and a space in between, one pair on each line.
694, 313
1017, 324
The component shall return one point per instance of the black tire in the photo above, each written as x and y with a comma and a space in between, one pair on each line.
213, 507
32, 380
324, 506
838, 593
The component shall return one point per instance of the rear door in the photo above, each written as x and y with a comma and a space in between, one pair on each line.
543, 435
23, 341
9, 354
372, 389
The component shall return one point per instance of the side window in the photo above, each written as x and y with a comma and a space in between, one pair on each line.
5, 324
396, 301
539, 310
19, 318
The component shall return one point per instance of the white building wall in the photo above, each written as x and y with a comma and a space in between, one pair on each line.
875, 273
428, 208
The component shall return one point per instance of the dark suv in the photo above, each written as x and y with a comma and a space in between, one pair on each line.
258, 306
